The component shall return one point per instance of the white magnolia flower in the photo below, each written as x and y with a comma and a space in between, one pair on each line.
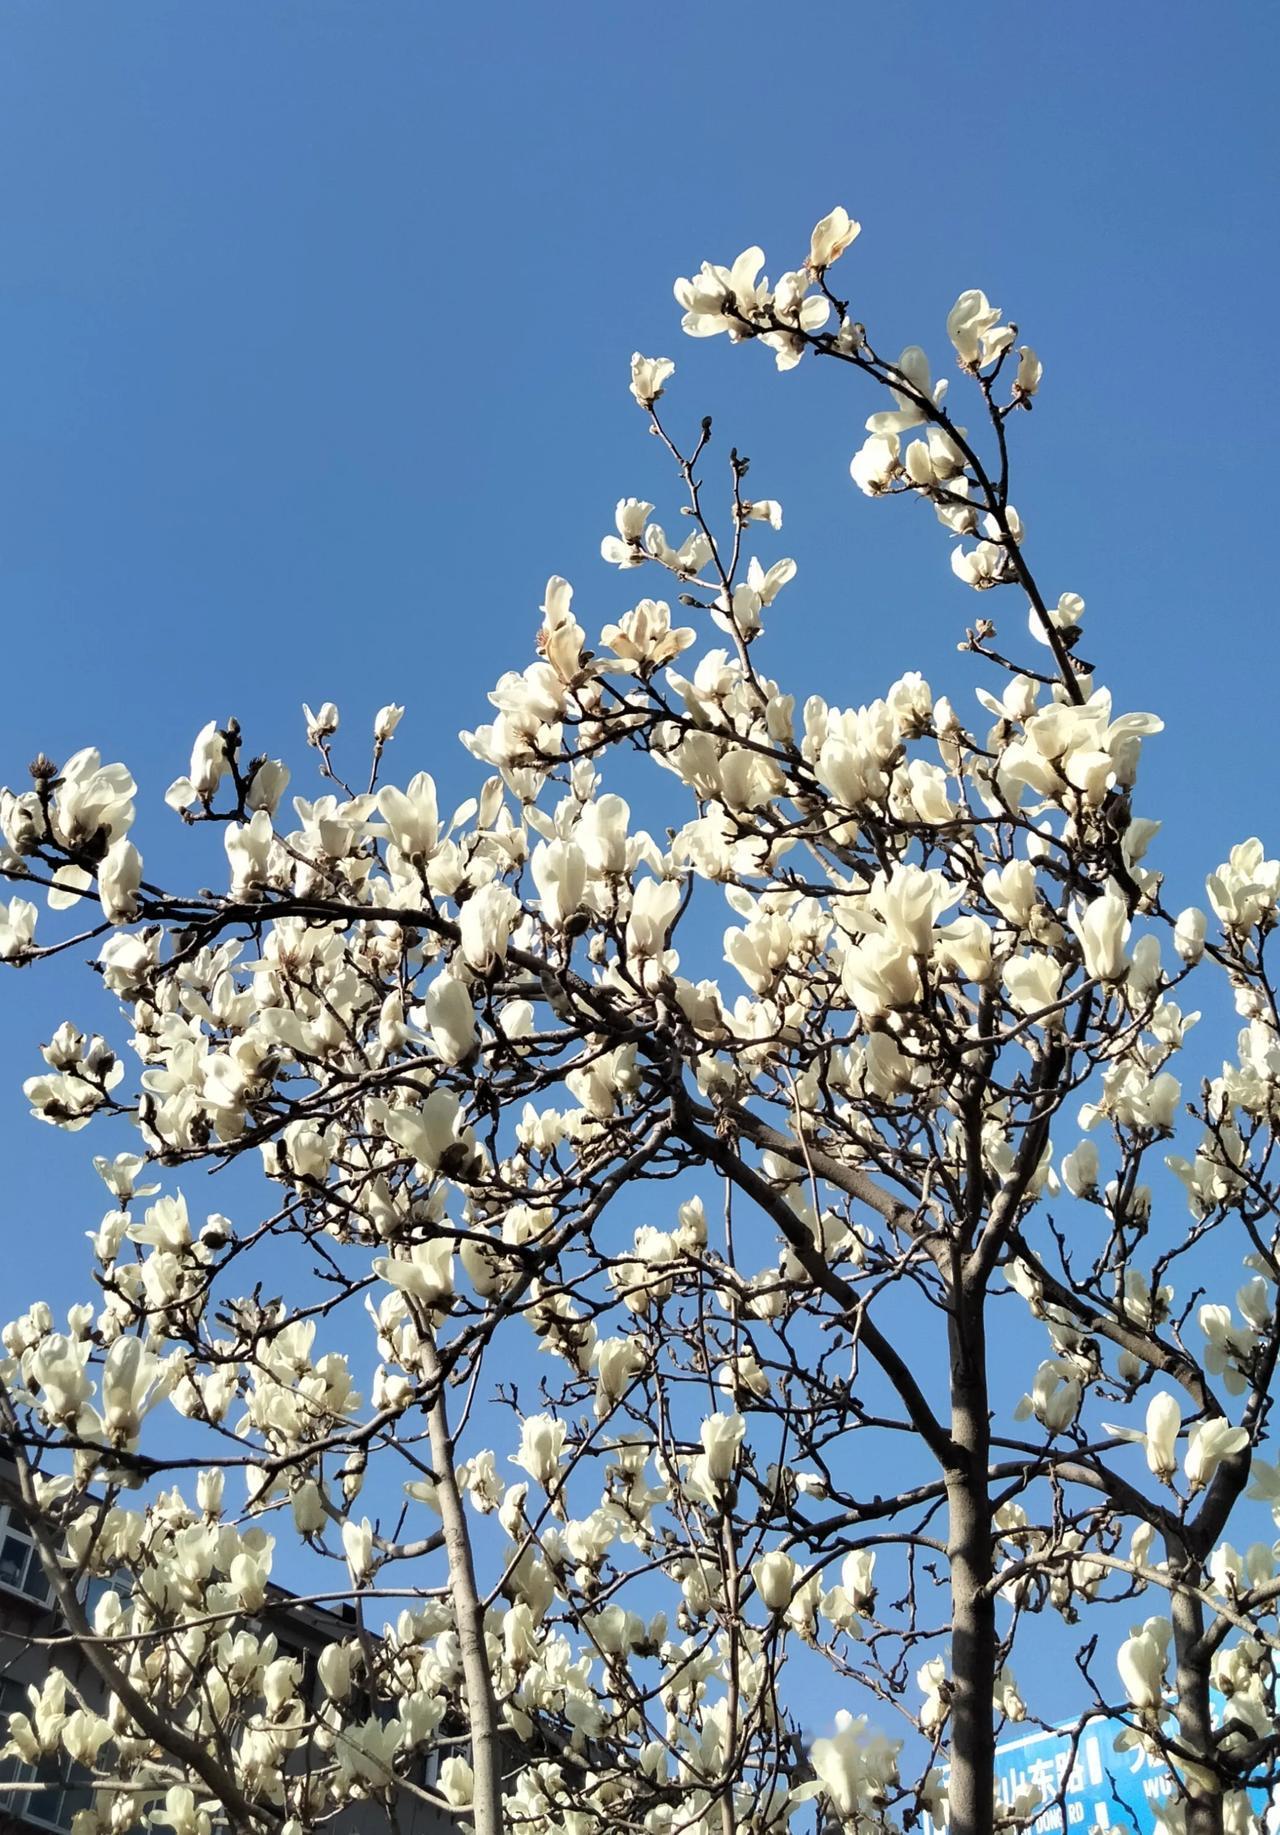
1141, 1662
58, 1367
1030, 371
17, 928
1055, 1396
431, 1131
913, 393
1080, 1170
1189, 934
1164, 1423
857, 1577
1033, 982
559, 871
425, 1273
321, 724
1209, 1443
209, 763
626, 549
764, 509
721, 1436
412, 816
973, 327
357, 1545
601, 833
119, 878
92, 799
249, 853
450, 1018
653, 907
484, 927
875, 465
649, 375
617, 1361
457, 1782
267, 785
1103, 929
725, 299
84, 1734
856, 1769
880, 975
775, 1578
133, 1381
181, 1814
830, 238
644, 639
541, 1445
981, 567
334, 1668
1246, 887
120, 1174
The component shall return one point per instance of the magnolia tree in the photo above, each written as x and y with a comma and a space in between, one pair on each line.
759, 1218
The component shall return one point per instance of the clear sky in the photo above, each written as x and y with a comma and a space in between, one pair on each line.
314, 327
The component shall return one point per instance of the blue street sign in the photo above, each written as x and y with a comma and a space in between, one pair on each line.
1101, 1790
1104, 1788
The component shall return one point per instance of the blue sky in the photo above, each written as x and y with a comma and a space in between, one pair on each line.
314, 328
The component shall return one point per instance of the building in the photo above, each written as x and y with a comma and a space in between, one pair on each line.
58, 1789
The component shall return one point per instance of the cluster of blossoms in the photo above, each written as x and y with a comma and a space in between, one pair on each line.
510, 1098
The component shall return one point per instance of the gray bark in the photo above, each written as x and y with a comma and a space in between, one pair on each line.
486, 1758
1195, 1724
971, 1792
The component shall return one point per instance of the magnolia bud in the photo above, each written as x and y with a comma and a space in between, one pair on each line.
775, 1576
1189, 932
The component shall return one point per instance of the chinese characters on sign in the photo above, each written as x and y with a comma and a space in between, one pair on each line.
1102, 1789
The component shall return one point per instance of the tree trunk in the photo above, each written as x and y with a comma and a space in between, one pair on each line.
971, 1791
486, 1758
1195, 1724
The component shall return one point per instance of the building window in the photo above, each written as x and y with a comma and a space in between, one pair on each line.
20, 1569
93, 1589
12, 1771
65, 1787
